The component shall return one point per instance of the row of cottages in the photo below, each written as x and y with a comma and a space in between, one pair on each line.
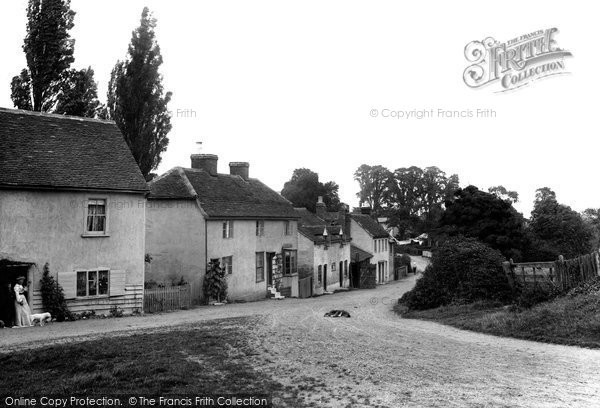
72, 196
196, 215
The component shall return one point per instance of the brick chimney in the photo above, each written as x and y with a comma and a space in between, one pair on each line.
206, 162
239, 169
344, 220
321, 209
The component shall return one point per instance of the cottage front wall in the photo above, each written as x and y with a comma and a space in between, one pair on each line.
332, 256
365, 241
175, 239
41, 227
243, 246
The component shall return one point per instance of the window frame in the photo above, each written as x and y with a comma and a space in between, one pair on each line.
260, 228
227, 229
260, 256
94, 201
288, 228
227, 267
293, 253
97, 272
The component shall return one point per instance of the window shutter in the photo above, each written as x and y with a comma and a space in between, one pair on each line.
117, 282
68, 281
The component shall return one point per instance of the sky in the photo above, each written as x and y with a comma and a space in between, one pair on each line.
289, 84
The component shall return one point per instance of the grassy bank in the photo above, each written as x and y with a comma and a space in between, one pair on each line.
211, 358
573, 319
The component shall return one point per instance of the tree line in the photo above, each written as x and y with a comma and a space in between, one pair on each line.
416, 200
136, 100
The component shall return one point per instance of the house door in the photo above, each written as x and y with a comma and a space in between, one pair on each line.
341, 274
9, 272
325, 277
270, 256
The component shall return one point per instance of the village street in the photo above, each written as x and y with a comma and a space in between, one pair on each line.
374, 357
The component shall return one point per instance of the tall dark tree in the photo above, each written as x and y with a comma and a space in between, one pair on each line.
136, 100
591, 217
561, 228
49, 50
304, 188
477, 214
374, 183
78, 95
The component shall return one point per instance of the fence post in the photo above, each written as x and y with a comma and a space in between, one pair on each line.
509, 273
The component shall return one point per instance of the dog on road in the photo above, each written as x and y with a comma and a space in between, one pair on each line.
41, 318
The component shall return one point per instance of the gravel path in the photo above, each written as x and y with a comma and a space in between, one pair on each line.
375, 357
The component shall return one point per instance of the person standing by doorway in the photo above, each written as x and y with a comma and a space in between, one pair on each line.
22, 311
7, 305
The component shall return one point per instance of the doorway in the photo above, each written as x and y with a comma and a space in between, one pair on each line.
341, 269
9, 272
325, 277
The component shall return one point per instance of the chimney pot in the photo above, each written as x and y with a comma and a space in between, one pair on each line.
239, 169
206, 162
320, 208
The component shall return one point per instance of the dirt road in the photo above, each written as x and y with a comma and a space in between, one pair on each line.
375, 358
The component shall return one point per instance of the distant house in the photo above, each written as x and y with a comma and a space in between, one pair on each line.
72, 195
196, 215
323, 250
370, 238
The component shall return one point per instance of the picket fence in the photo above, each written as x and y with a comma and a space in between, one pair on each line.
168, 298
563, 274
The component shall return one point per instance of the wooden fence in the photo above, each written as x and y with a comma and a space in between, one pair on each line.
563, 274
167, 298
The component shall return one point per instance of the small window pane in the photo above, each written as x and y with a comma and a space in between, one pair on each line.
103, 283
81, 283
92, 283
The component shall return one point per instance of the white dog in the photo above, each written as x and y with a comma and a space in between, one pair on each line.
41, 318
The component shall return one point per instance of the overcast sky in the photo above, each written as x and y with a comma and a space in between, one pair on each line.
285, 84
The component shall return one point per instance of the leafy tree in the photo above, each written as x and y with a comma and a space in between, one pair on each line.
462, 270
53, 297
374, 182
504, 194
78, 94
215, 282
49, 50
415, 197
591, 217
561, 228
477, 214
136, 100
304, 188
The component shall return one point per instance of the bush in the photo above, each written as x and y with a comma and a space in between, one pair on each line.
215, 282
463, 270
530, 296
53, 297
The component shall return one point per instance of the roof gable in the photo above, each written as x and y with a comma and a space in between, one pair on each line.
62, 152
370, 225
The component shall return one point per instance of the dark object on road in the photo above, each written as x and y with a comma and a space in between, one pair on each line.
337, 313
1, 324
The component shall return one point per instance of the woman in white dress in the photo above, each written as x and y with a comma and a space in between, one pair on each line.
22, 311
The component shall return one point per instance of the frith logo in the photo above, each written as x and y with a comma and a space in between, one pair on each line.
515, 63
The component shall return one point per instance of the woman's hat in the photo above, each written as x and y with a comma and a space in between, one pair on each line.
20, 278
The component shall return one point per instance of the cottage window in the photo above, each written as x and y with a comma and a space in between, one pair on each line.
227, 264
289, 261
260, 266
96, 217
375, 246
260, 228
227, 229
333, 267
320, 274
288, 228
92, 283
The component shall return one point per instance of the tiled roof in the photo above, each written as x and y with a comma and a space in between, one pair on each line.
313, 227
358, 254
222, 195
62, 152
370, 225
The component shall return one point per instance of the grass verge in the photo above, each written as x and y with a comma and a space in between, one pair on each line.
571, 319
211, 358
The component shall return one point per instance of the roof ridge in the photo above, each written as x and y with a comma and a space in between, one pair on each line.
187, 182
56, 116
